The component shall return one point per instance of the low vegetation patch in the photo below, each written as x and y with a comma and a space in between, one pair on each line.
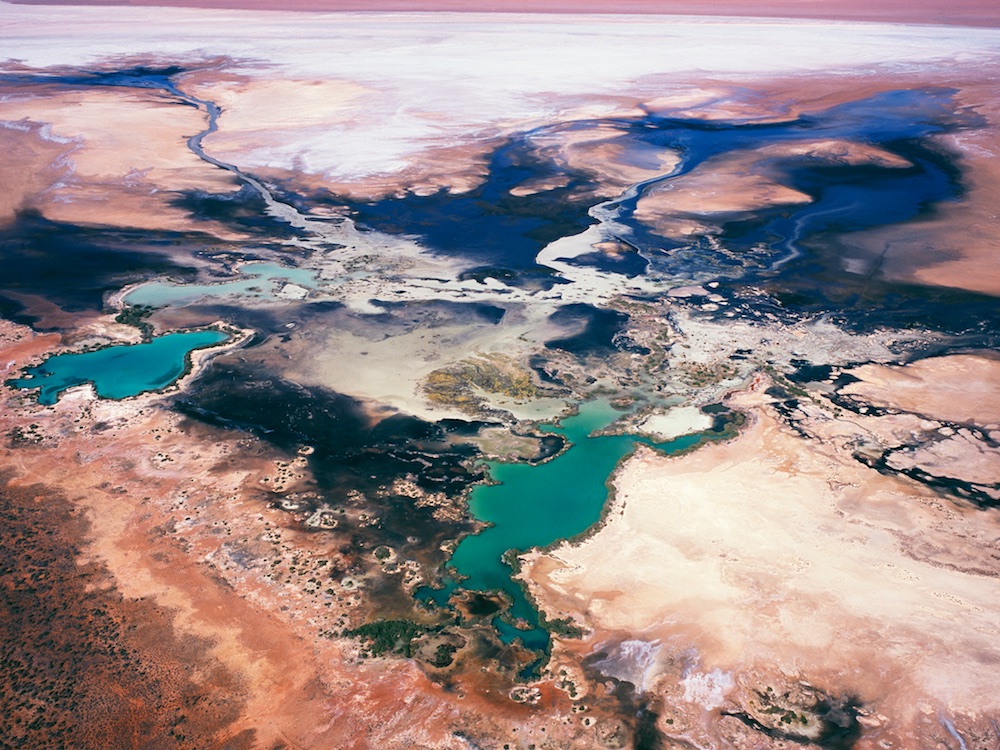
493, 373
388, 636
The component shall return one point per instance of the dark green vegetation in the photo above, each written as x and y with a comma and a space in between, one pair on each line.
388, 636
561, 626
443, 655
19, 436
135, 316
808, 716
494, 373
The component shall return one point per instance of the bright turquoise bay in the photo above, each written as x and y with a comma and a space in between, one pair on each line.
534, 506
119, 371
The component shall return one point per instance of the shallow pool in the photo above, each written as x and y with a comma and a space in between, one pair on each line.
119, 371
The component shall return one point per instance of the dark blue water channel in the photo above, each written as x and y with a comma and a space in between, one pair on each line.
505, 233
535, 506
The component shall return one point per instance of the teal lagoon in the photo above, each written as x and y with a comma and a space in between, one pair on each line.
537, 505
119, 371
259, 281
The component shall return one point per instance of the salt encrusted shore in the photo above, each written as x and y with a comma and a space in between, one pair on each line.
960, 12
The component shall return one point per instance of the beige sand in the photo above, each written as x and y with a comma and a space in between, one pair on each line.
681, 420
259, 114
956, 388
429, 167
30, 167
608, 155
390, 371
744, 181
710, 192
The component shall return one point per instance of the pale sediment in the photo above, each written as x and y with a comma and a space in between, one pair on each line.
129, 175
954, 388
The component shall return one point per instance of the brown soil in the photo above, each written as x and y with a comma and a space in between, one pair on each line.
162, 599
85, 667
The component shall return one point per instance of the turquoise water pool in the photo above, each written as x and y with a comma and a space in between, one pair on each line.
259, 281
119, 371
536, 505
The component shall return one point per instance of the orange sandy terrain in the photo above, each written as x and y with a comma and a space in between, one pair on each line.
186, 606
68, 165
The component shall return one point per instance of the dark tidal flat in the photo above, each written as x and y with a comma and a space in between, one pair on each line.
75, 267
489, 225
